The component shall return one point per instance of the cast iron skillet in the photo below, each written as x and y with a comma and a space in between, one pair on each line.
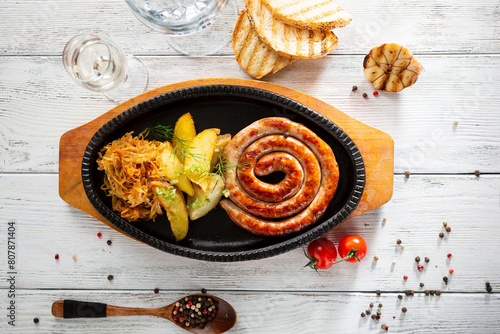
230, 108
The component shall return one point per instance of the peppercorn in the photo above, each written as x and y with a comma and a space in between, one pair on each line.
375, 258
407, 174
433, 292
36, 320
417, 259
380, 305
354, 88
378, 292
363, 314
427, 259
156, 290
441, 234
400, 296
377, 317
99, 234
488, 288
371, 304
420, 267
445, 279
74, 257
109, 242
445, 224
405, 277
407, 292
451, 271
478, 173
487, 283
373, 316
383, 326
368, 312
448, 229
365, 95
110, 277
427, 292
375, 93
404, 309
449, 255
412, 292
398, 242
438, 292
421, 284
56, 257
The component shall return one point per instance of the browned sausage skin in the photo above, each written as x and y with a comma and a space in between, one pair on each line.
300, 199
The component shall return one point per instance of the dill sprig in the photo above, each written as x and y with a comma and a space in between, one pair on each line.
162, 132
166, 133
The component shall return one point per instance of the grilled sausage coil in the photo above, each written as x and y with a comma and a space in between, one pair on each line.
311, 176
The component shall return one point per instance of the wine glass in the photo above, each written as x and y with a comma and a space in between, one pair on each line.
100, 65
192, 27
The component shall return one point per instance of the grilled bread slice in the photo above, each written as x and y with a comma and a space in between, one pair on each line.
287, 40
309, 14
255, 57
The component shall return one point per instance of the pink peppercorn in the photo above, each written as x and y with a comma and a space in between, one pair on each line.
449, 255
99, 234
56, 257
375, 93
451, 271
405, 277
420, 267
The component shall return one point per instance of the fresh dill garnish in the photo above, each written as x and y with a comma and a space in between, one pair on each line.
166, 133
162, 132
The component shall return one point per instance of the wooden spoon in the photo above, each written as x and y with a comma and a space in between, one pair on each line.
223, 321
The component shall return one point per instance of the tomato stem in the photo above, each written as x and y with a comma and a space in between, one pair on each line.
312, 261
352, 253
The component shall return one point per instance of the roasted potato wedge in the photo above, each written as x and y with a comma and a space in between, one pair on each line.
203, 202
172, 200
174, 169
220, 143
197, 160
184, 131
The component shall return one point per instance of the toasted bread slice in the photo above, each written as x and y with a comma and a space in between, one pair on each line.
309, 14
255, 57
287, 40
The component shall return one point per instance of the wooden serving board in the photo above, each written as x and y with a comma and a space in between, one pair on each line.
376, 147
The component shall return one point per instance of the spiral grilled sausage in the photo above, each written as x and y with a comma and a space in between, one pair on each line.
300, 199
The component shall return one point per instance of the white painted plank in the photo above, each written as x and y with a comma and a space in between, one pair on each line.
292, 313
47, 226
437, 26
39, 102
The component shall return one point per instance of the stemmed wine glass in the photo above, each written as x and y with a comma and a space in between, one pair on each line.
100, 65
192, 27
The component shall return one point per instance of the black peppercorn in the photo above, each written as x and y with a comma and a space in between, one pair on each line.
407, 292
363, 314
445, 279
365, 95
478, 173
398, 242
404, 309
36, 320
156, 290
354, 88
400, 296
427, 259
368, 312
427, 292
380, 305
441, 234
373, 316
488, 288
110, 277
407, 174
448, 229
371, 304
487, 283
109, 242
378, 292
412, 292
417, 259
421, 285
438, 292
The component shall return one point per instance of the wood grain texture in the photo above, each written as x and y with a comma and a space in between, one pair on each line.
38, 27
39, 102
293, 312
420, 205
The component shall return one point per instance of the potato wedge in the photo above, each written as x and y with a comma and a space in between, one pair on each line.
203, 202
197, 161
184, 131
220, 143
174, 169
174, 204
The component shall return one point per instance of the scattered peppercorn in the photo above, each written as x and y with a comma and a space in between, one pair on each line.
99, 234
427, 259
368, 312
451, 271
445, 224
448, 229
438, 292
373, 316
402, 246
412, 292
110, 277
404, 309
393, 261
36, 320
354, 88
405, 277
441, 234
379, 313
383, 326
380, 305
420, 267
400, 296
407, 174
407, 292
56, 257
375, 93
455, 123
365, 95
398, 242
74, 257
449, 255
363, 314
445, 279
197, 309
487, 283
421, 285
156, 290
488, 288
375, 258
371, 304
378, 292
384, 219
427, 292
478, 173
417, 259
109, 242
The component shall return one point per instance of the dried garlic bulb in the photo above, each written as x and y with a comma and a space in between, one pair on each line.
391, 67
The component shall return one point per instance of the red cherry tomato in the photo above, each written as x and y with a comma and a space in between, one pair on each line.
322, 254
352, 242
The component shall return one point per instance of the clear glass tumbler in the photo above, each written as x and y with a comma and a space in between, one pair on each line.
193, 27
100, 65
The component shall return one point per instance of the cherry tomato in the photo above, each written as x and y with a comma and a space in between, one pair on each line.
322, 254
352, 242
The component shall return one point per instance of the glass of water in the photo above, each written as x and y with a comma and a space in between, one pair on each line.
193, 27
100, 65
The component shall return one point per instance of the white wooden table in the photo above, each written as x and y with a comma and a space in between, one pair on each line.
445, 128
